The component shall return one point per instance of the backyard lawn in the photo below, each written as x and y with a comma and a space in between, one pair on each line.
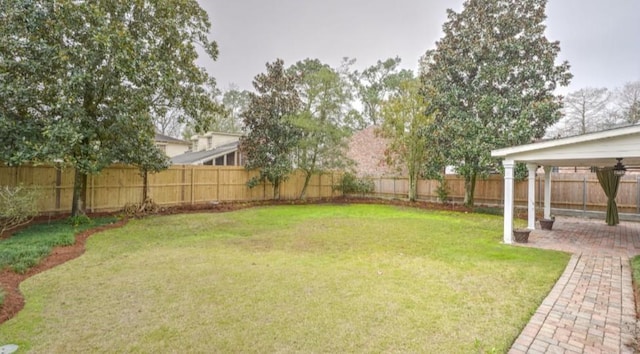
314, 278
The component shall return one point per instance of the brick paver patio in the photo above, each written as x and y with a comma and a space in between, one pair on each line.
591, 308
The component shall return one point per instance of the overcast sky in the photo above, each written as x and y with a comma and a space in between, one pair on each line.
600, 39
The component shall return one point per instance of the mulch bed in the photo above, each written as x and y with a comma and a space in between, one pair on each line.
10, 281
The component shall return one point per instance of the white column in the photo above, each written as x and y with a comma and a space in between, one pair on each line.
531, 196
508, 200
547, 192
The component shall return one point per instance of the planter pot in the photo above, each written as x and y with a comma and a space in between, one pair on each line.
521, 235
546, 224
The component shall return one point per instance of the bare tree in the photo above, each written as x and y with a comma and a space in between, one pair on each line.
585, 111
168, 124
627, 101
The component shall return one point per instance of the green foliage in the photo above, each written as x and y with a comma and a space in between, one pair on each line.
491, 80
322, 144
18, 206
83, 80
79, 220
374, 85
351, 184
635, 267
442, 191
271, 138
405, 118
26, 248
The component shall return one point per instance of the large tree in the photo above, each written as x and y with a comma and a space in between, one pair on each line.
375, 84
82, 80
324, 95
405, 118
271, 136
493, 75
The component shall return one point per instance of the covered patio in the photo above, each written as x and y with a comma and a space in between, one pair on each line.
602, 150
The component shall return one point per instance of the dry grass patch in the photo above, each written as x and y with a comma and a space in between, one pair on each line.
318, 278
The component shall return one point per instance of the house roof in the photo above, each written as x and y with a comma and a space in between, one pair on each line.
190, 158
595, 149
161, 138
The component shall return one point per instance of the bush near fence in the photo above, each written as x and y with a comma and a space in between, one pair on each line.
183, 185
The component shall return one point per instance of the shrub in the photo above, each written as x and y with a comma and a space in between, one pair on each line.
443, 191
351, 184
18, 206
78, 220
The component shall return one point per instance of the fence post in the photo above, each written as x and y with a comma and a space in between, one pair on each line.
58, 188
92, 194
638, 194
218, 184
184, 183
584, 194
193, 196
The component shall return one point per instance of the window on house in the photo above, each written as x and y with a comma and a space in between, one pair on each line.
220, 161
194, 145
210, 143
162, 147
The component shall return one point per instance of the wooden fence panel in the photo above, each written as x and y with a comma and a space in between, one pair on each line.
118, 185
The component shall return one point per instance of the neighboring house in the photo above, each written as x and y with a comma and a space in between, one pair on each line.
171, 146
213, 148
367, 151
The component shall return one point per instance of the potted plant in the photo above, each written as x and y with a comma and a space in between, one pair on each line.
547, 224
521, 235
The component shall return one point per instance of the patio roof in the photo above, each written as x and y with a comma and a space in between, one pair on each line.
595, 149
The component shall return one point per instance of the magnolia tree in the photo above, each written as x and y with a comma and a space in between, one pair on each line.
493, 76
81, 81
271, 137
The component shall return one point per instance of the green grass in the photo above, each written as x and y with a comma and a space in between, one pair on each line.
635, 271
318, 278
27, 247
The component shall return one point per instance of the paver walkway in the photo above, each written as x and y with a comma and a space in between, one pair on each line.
591, 308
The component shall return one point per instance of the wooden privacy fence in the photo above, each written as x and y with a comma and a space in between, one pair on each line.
192, 185
180, 185
577, 191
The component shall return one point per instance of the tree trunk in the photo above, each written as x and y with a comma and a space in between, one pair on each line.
413, 187
79, 193
145, 186
276, 190
307, 178
469, 189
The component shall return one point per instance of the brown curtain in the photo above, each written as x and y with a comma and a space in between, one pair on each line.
610, 183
